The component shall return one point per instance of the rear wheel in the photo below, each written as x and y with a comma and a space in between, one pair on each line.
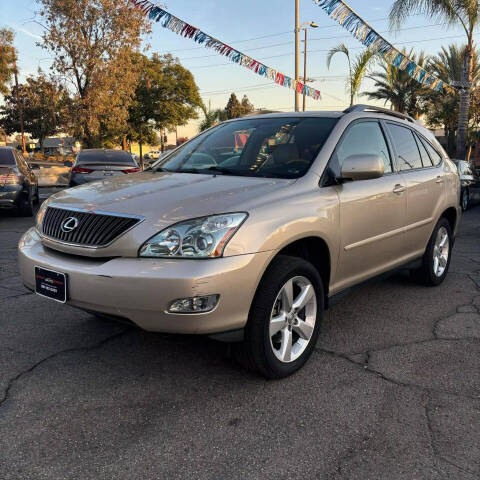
464, 199
436, 260
285, 319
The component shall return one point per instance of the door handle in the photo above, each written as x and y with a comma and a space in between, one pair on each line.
439, 180
399, 189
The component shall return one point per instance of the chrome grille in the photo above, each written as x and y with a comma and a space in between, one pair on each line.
92, 230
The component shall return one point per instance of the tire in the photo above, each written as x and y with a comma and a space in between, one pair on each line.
259, 351
37, 196
464, 199
25, 207
429, 274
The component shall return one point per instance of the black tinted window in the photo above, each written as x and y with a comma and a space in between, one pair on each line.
408, 155
6, 157
434, 155
262, 147
105, 157
364, 138
423, 153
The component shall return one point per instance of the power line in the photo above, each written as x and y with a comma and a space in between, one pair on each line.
311, 40
287, 54
281, 33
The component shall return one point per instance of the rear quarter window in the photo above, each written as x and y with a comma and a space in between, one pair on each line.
7, 157
434, 155
408, 154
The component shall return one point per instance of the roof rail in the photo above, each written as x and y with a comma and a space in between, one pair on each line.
372, 108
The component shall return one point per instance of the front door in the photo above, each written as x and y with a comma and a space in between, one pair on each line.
372, 212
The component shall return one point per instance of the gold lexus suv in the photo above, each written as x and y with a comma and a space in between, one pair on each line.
250, 230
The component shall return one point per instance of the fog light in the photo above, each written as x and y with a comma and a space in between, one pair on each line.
194, 304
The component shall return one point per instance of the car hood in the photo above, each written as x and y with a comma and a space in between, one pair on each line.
164, 198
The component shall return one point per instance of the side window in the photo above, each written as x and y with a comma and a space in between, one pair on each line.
434, 155
364, 138
406, 146
423, 153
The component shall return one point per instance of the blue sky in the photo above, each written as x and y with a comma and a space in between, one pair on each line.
240, 23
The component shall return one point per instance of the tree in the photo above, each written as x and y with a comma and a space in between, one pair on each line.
234, 108
393, 85
211, 117
463, 13
247, 107
7, 59
45, 104
165, 97
92, 43
442, 110
357, 69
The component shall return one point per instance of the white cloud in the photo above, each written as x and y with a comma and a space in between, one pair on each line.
27, 32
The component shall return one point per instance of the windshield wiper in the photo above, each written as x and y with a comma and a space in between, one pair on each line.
227, 171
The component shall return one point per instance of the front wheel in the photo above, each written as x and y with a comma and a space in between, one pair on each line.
464, 199
436, 260
285, 319
26, 205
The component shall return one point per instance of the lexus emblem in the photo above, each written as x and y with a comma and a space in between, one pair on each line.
69, 224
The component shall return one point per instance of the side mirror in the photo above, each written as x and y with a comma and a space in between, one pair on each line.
363, 167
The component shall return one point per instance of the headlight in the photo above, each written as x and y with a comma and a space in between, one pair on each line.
204, 237
39, 217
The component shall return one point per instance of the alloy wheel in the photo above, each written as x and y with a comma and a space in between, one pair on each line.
292, 320
441, 251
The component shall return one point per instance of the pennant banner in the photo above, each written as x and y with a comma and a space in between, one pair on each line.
167, 20
348, 19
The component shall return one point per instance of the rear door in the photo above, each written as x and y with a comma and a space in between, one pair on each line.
424, 181
372, 212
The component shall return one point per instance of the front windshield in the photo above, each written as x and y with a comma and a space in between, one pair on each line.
272, 147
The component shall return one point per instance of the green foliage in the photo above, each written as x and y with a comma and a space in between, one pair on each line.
7, 59
358, 68
165, 97
45, 108
234, 108
462, 13
396, 87
92, 44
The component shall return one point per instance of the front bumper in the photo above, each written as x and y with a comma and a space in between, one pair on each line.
142, 289
10, 196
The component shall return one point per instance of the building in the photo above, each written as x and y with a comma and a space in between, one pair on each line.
59, 146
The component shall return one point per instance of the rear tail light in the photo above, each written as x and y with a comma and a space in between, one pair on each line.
132, 170
81, 170
9, 179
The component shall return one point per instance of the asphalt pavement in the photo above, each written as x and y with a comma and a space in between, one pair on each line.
391, 392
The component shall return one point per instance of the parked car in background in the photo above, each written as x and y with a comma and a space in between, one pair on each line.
100, 164
18, 183
251, 242
152, 155
470, 183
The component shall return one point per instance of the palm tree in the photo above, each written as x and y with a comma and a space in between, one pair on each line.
212, 117
442, 110
397, 87
464, 13
357, 68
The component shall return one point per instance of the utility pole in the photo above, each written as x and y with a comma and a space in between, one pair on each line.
297, 51
20, 108
305, 68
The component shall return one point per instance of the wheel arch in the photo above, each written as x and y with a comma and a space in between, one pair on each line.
451, 215
314, 250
